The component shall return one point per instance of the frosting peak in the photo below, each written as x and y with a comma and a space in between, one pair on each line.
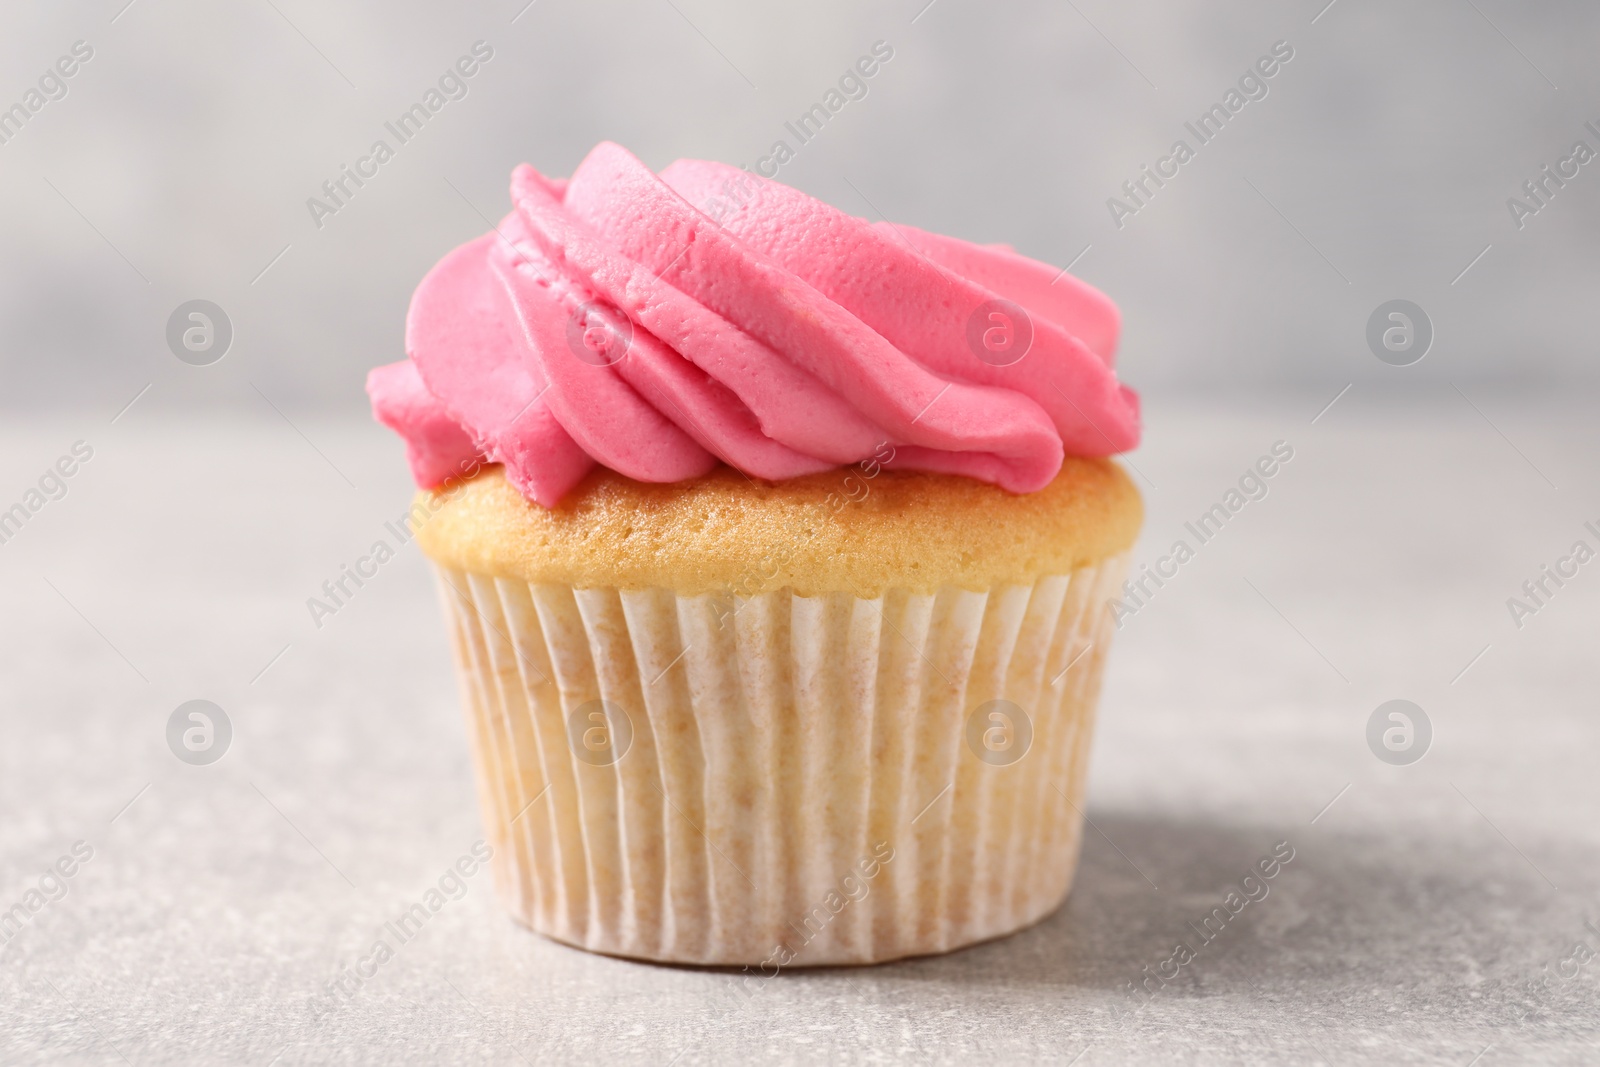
608, 319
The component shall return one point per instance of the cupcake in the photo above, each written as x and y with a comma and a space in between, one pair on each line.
775, 547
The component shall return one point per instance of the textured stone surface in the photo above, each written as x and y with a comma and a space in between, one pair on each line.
1414, 924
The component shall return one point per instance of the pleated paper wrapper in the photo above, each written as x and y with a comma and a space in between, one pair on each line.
778, 780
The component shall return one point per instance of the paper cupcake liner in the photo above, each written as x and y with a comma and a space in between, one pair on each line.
781, 780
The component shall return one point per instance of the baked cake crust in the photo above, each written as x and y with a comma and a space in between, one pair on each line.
838, 531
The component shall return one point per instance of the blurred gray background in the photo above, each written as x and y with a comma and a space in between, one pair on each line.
1435, 912
179, 164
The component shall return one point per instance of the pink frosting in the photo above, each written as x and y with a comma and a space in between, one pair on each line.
608, 319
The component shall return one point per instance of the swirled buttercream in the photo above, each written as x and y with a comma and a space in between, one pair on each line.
607, 319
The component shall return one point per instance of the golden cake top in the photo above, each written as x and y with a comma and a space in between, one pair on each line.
848, 530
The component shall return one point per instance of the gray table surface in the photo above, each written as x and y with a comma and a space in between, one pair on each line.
1430, 915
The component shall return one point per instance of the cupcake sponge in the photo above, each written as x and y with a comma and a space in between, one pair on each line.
837, 531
